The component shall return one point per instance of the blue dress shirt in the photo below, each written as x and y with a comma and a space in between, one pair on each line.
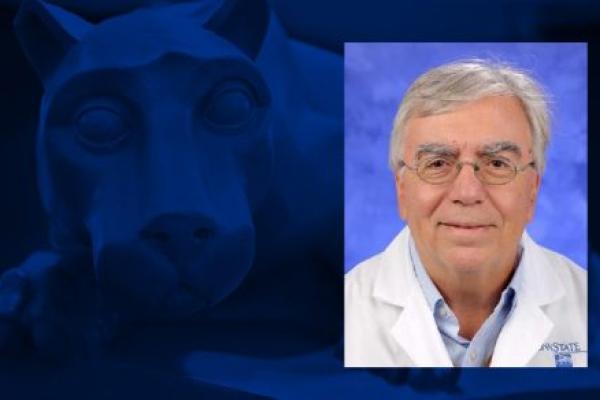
478, 351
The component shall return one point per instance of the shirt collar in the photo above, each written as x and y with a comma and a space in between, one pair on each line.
432, 294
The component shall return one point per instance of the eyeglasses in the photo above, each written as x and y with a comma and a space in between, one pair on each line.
438, 170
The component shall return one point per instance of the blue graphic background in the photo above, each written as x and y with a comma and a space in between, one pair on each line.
376, 77
286, 341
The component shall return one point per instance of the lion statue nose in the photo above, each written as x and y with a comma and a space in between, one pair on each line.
178, 264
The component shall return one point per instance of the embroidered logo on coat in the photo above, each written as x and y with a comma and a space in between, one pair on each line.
562, 352
572, 347
563, 360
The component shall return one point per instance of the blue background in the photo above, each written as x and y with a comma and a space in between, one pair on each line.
290, 369
377, 76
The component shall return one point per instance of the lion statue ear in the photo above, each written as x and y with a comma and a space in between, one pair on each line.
46, 33
244, 23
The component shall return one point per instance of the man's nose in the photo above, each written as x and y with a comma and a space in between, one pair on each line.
178, 230
466, 188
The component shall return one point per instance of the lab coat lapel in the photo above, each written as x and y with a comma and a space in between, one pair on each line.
522, 336
415, 330
528, 326
416, 333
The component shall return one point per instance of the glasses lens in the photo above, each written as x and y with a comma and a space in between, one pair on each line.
436, 169
497, 170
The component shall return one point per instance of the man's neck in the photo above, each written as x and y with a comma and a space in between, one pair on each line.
471, 296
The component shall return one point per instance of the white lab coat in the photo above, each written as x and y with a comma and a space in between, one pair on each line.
388, 322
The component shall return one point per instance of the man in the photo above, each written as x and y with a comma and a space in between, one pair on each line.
463, 284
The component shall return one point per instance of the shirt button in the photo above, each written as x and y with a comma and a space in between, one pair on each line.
444, 312
473, 355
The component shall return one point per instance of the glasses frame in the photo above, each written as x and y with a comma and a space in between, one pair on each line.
476, 168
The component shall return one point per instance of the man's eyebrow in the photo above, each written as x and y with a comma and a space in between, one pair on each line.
437, 149
498, 147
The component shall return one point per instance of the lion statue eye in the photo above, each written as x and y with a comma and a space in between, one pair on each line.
230, 106
100, 127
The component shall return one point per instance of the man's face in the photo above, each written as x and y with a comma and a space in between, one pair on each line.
466, 225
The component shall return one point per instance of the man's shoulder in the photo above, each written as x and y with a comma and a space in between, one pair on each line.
379, 269
563, 263
361, 278
568, 271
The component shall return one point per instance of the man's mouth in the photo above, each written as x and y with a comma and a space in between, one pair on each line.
466, 225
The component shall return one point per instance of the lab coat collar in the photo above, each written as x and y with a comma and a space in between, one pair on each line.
416, 331
528, 326
540, 283
394, 280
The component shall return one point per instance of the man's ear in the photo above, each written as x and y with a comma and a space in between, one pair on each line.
400, 193
46, 33
244, 23
533, 193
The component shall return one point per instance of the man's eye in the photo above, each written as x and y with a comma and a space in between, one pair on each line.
437, 163
231, 105
498, 163
100, 127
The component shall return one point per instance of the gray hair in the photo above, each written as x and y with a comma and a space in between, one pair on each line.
446, 87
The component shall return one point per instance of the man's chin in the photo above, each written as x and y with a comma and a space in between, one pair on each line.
463, 259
